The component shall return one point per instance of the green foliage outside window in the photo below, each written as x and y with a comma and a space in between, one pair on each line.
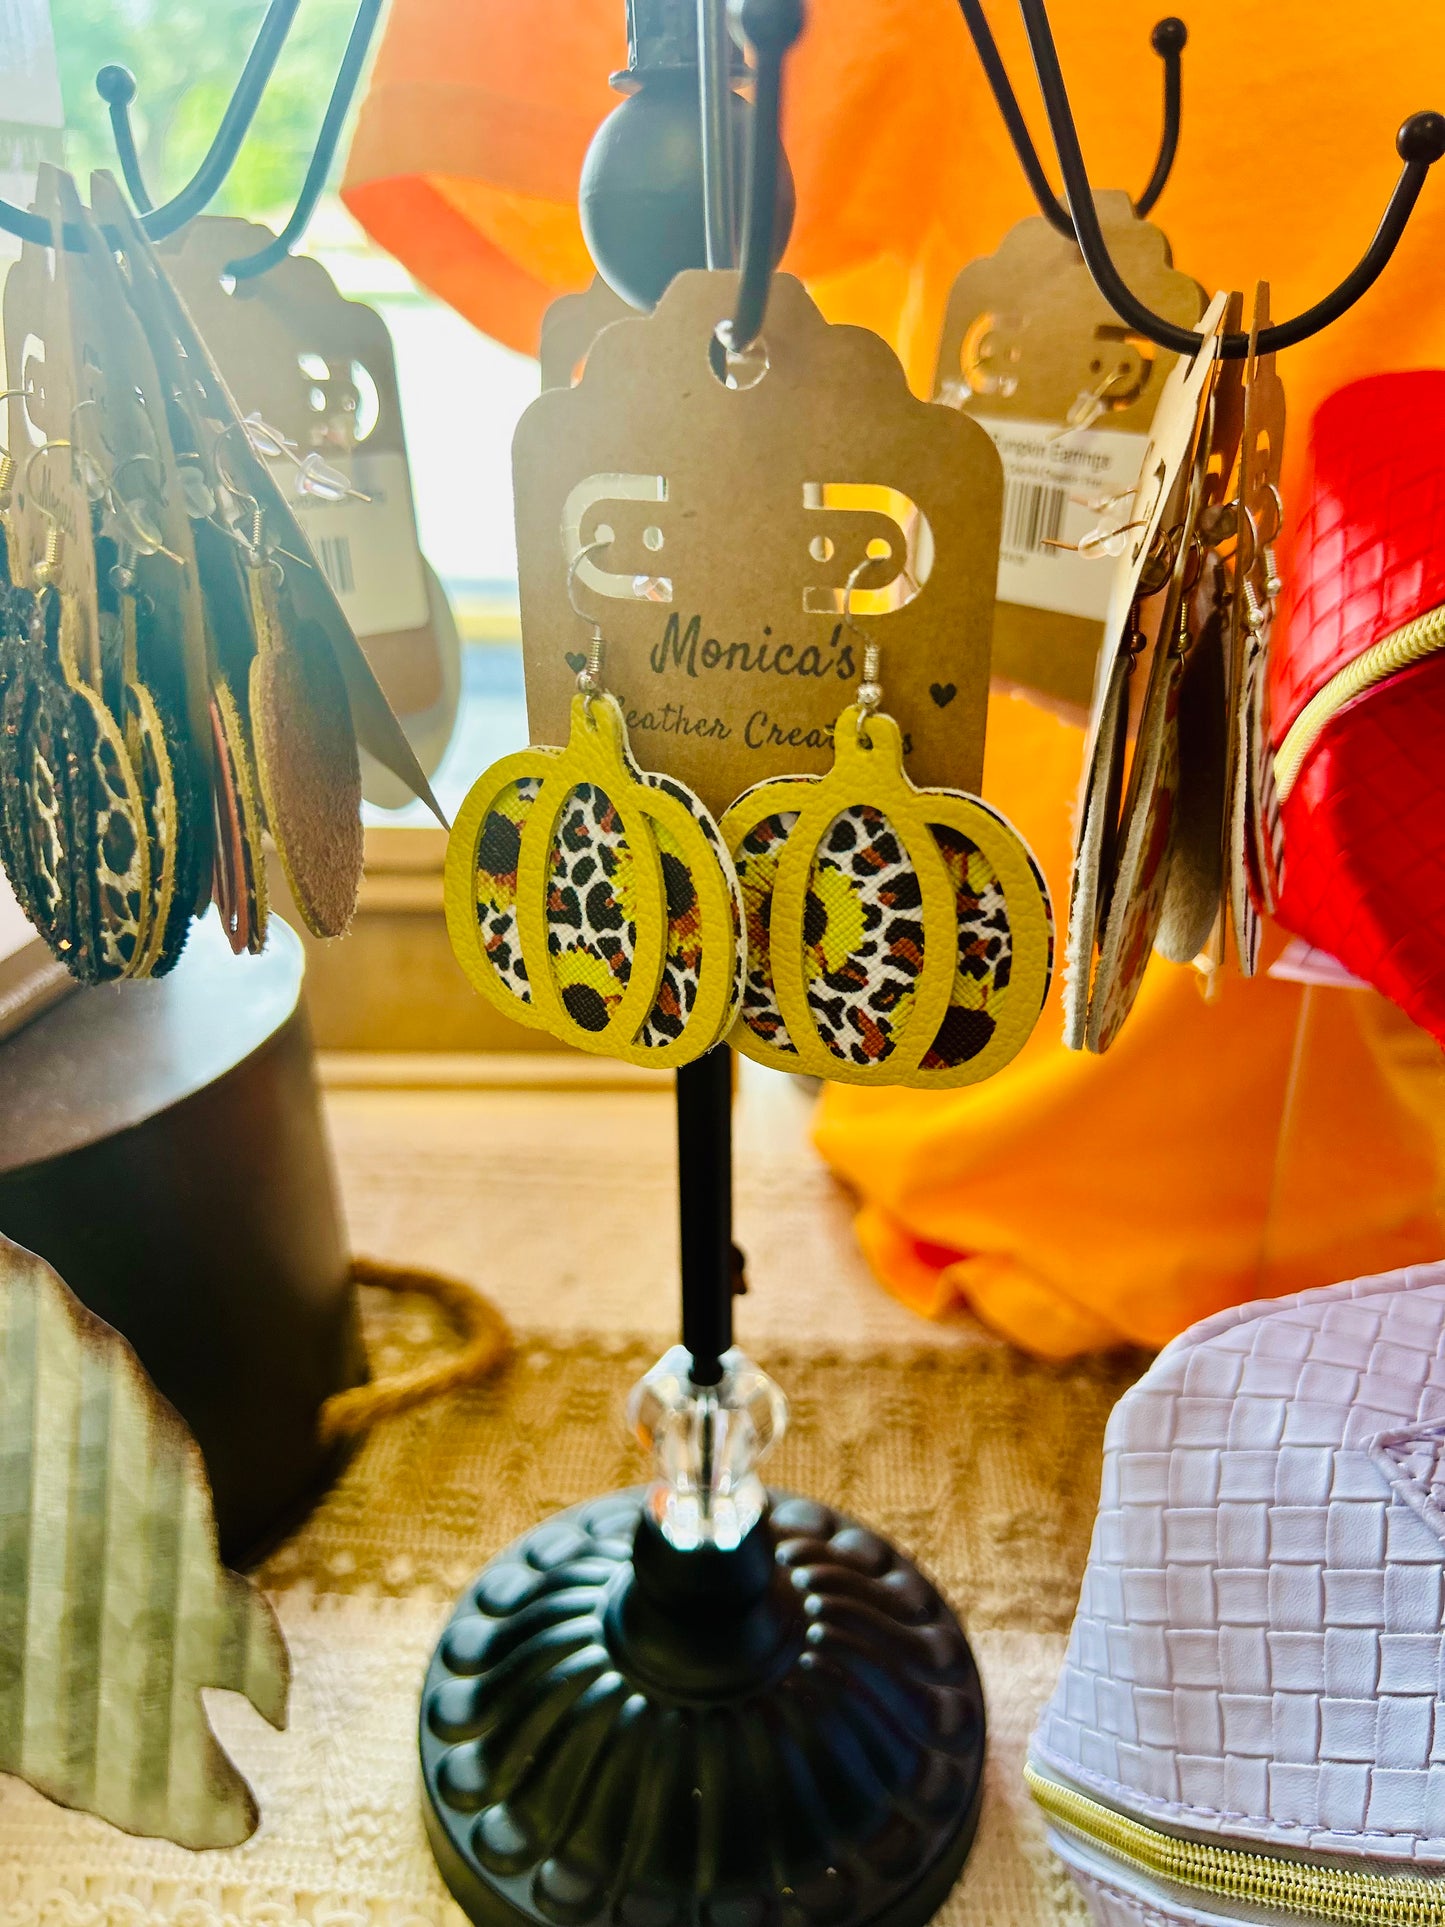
187, 56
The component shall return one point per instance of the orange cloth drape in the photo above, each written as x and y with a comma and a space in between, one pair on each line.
1262, 1143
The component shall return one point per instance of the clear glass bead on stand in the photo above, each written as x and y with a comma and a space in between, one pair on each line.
707, 1442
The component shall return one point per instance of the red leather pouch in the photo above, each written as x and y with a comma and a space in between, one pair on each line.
1357, 694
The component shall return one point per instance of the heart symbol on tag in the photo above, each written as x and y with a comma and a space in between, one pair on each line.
576, 661
943, 693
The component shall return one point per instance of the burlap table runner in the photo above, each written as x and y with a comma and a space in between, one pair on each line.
984, 1468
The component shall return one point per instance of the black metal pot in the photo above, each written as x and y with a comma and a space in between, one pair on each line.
161, 1145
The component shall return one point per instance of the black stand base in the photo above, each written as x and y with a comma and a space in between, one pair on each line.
789, 1735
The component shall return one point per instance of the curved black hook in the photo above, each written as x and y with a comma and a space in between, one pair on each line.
1420, 143
771, 27
1007, 101
348, 78
206, 182
116, 87
1168, 40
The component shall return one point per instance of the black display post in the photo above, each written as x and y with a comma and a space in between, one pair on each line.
705, 1210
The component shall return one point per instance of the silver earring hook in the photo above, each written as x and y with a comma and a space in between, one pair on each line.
589, 680
869, 698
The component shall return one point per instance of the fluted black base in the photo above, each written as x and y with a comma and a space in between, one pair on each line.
790, 1735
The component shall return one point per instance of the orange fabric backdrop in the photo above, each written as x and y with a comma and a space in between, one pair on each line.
1215, 1152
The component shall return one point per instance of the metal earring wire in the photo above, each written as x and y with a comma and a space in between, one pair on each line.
8, 463
589, 680
1090, 403
252, 543
869, 698
48, 567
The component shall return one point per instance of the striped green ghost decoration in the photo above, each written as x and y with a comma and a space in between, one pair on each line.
114, 1607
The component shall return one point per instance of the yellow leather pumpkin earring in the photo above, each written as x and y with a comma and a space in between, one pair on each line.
896, 935
593, 900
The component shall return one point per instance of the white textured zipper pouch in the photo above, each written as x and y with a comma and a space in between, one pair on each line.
1258, 1660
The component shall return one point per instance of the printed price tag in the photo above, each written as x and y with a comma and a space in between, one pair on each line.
1058, 487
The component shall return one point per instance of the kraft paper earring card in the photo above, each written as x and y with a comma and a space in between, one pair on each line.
571, 325
1034, 354
712, 509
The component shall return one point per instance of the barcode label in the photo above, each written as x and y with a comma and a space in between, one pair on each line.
1033, 516
1059, 484
333, 552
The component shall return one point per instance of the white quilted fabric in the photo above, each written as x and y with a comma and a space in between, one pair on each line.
1258, 1652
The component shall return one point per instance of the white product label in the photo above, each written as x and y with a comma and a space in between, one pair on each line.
1060, 484
367, 550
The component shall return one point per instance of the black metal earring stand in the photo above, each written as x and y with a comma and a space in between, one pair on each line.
786, 1733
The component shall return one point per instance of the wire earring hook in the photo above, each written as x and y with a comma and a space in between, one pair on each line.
589, 680
8, 463
48, 567
869, 698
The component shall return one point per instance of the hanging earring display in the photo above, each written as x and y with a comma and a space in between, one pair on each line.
296, 678
319, 371
1153, 545
1035, 355
173, 662
739, 511
896, 936
593, 901
228, 638
151, 616
79, 834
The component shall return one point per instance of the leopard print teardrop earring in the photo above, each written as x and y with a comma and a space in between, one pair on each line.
76, 822
896, 936
594, 900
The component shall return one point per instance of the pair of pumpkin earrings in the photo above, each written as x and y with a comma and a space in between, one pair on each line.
850, 926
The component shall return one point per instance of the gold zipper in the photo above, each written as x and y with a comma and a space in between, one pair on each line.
1259, 1879
1401, 649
